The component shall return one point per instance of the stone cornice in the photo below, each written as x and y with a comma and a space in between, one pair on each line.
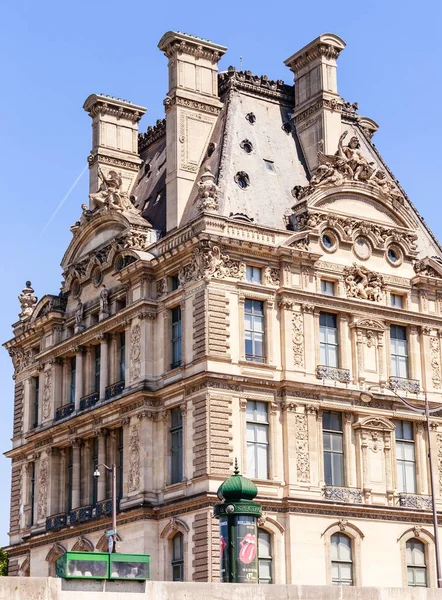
175, 42
99, 104
327, 45
151, 135
256, 85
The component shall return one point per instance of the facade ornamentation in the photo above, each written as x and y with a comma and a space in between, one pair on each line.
404, 385
110, 195
104, 299
415, 501
208, 261
20, 359
435, 361
27, 301
134, 460
161, 287
302, 453
79, 313
349, 164
271, 276
208, 191
47, 393
421, 268
364, 284
135, 352
298, 339
333, 373
343, 494
43, 489
136, 240
439, 460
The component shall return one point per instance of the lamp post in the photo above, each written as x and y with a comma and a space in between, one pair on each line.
367, 396
112, 469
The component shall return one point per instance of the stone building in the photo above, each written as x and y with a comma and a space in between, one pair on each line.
243, 270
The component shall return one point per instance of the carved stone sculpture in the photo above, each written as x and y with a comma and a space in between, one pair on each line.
104, 299
208, 191
27, 301
79, 313
364, 284
134, 460
110, 194
348, 164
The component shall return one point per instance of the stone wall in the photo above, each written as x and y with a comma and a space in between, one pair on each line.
38, 588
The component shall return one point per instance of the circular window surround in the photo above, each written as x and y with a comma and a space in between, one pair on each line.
97, 276
76, 288
362, 248
242, 180
247, 146
394, 255
329, 241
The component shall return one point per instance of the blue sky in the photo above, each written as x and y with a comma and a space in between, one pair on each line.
54, 54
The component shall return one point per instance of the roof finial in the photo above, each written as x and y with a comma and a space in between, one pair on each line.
236, 469
240, 63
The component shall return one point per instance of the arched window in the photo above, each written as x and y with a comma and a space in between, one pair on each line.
341, 559
178, 557
416, 563
265, 567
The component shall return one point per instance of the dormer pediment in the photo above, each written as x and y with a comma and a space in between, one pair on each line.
374, 424
429, 267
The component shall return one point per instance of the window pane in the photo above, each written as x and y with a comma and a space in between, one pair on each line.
262, 433
251, 463
408, 450
418, 553
332, 356
344, 548
338, 469
251, 432
328, 477
334, 542
327, 441
250, 410
420, 577
323, 357
336, 442
177, 546
264, 544
261, 412
265, 571
262, 462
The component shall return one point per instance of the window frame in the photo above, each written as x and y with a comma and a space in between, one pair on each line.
178, 561
72, 379
253, 269
324, 284
326, 346
403, 442
334, 434
122, 356
176, 430
176, 341
256, 425
340, 562
267, 559
32, 494
395, 356
415, 567
97, 368
393, 296
255, 317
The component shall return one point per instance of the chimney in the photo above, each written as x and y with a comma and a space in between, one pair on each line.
192, 108
114, 139
318, 106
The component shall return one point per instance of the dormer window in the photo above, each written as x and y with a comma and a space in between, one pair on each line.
269, 165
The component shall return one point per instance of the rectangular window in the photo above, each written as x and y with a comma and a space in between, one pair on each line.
333, 444
253, 274
405, 457
94, 466
174, 283
396, 300
35, 407
97, 362
328, 336
119, 443
416, 563
72, 380
69, 478
176, 337
122, 356
176, 445
254, 330
264, 557
32, 498
257, 440
399, 351
327, 287
270, 165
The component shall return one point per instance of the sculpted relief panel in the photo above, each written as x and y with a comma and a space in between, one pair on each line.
364, 284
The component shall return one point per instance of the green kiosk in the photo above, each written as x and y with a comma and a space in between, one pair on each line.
102, 565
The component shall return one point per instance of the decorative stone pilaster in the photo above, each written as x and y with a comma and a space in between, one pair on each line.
101, 485
289, 426
79, 378
104, 365
415, 353
285, 307
421, 457
43, 488
76, 473
311, 325
302, 448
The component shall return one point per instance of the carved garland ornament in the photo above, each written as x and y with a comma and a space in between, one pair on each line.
435, 361
135, 352
43, 489
298, 339
302, 454
134, 459
208, 261
47, 388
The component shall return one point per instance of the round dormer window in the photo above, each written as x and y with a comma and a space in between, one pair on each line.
329, 241
97, 276
362, 248
394, 256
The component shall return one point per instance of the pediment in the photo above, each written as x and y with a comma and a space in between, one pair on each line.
371, 324
375, 424
361, 207
429, 267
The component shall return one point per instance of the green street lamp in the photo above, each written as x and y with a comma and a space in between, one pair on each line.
238, 529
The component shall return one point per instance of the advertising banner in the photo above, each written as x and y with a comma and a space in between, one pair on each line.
246, 548
224, 550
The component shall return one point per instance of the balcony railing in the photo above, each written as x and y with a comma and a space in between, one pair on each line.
415, 501
64, 411
401, 384
114, 390
88, 401
342, 494
334, 373
56, 521
80, 515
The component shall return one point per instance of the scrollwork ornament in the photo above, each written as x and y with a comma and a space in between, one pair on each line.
43, 489
134, 459
302, 453
135, 352
298, 339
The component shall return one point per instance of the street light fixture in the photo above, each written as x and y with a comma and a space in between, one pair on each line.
367, 396
112, 469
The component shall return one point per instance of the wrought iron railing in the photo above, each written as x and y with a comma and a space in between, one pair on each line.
81, 514
342, 494
333, 373
88, 401
56, 521
114, 390
64, 411
415, 501
401, 384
